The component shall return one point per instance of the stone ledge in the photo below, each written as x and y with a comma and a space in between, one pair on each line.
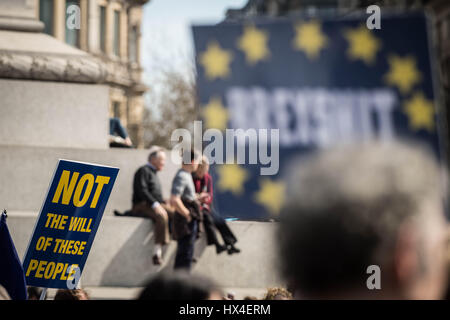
21, 24
122, 250
52, 67
38, 56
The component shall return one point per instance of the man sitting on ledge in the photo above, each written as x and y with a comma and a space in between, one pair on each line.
148, 201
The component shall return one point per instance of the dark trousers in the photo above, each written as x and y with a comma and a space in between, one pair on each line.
212, 221
185, 248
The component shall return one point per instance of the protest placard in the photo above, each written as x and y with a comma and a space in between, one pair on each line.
67, 224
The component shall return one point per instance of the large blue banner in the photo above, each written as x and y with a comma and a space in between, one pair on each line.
322, 82
67, 224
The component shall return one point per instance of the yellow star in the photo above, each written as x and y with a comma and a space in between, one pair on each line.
420, 112
362, 44
215, 114
232, 178
271, 195
216, 61
403, 73
254, 44
310, 38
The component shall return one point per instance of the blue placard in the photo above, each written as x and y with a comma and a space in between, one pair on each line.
321, 82
67, 224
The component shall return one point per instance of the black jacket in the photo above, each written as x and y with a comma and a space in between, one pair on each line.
181, 227
146, 186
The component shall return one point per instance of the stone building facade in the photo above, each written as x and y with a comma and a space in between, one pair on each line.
110, 31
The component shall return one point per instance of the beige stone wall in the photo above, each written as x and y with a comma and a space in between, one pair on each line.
126, 75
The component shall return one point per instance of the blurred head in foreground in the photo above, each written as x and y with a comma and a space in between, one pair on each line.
4, 294
180, 286
354, 207
277, 294
75, 294
34, 293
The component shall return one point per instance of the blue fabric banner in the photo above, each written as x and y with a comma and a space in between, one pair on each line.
321, 82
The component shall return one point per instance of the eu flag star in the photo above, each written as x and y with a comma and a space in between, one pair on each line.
232, 178
254, 44
310, 39
216, 61
271, 195
403, 73
215, 114
362, 44
420, 112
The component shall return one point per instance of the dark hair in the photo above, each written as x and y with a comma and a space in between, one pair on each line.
274, 293
178, 286
189, 155
34, 293
75, 294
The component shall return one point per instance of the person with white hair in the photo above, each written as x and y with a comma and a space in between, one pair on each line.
148, 201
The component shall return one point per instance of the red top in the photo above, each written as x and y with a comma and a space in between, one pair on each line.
204, 185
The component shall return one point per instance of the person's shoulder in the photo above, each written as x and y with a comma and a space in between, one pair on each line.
145, 169
182, 172
141, 168
178, 174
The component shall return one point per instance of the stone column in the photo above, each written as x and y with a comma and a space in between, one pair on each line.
84, 25
59, 20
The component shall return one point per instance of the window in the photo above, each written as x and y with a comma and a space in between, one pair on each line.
132, 52
102, 28
46, 15
116, 40
72, 34
116, 109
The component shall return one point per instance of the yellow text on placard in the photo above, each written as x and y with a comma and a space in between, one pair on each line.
71, 188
